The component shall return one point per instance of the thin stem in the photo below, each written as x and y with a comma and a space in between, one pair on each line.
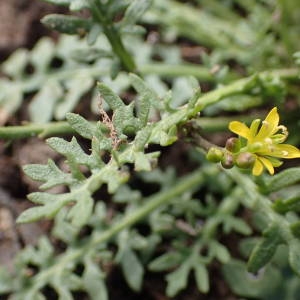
237, 87
113, 36
31, 130
167, 70
64, 128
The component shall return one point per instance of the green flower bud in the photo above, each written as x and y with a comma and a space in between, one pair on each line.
245, 160
214, 155
227, 161
233, 145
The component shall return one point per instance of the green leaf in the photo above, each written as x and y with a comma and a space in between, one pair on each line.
43, 197
282, 180
295, 228
134, 11
83, 127
237, 225
93, 281
202, 279
50, 174
294, 255
67, 24
142, 138
142, 162
165, 262
42, 55
113, 100
16, 63
220, 252
43, 103
265, 249
81, 212
246, 285
70, 150
132, 269
49, 210
89, 55
283, 206
177, 280
145, 92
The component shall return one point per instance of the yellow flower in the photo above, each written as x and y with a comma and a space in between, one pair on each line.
264, 141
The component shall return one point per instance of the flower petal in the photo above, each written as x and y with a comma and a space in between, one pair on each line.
267, 163
282, 151
254, 127
240, 129
273, 117
269, 125
257, 168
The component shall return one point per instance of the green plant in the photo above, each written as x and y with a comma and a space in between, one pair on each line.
119, 204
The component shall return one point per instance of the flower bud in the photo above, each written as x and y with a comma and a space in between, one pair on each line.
233, 145
227, 161
245, 160
214, 155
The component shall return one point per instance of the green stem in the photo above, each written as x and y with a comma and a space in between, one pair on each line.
113, 36
30, 130
237, 87
63, 128
170, 71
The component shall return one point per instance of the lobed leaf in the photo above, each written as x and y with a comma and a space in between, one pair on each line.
83, 127
50, 174
47, 211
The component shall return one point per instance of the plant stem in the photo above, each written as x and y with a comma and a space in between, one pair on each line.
166, 70
237, 87
63, 128
113, 36
31, 130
